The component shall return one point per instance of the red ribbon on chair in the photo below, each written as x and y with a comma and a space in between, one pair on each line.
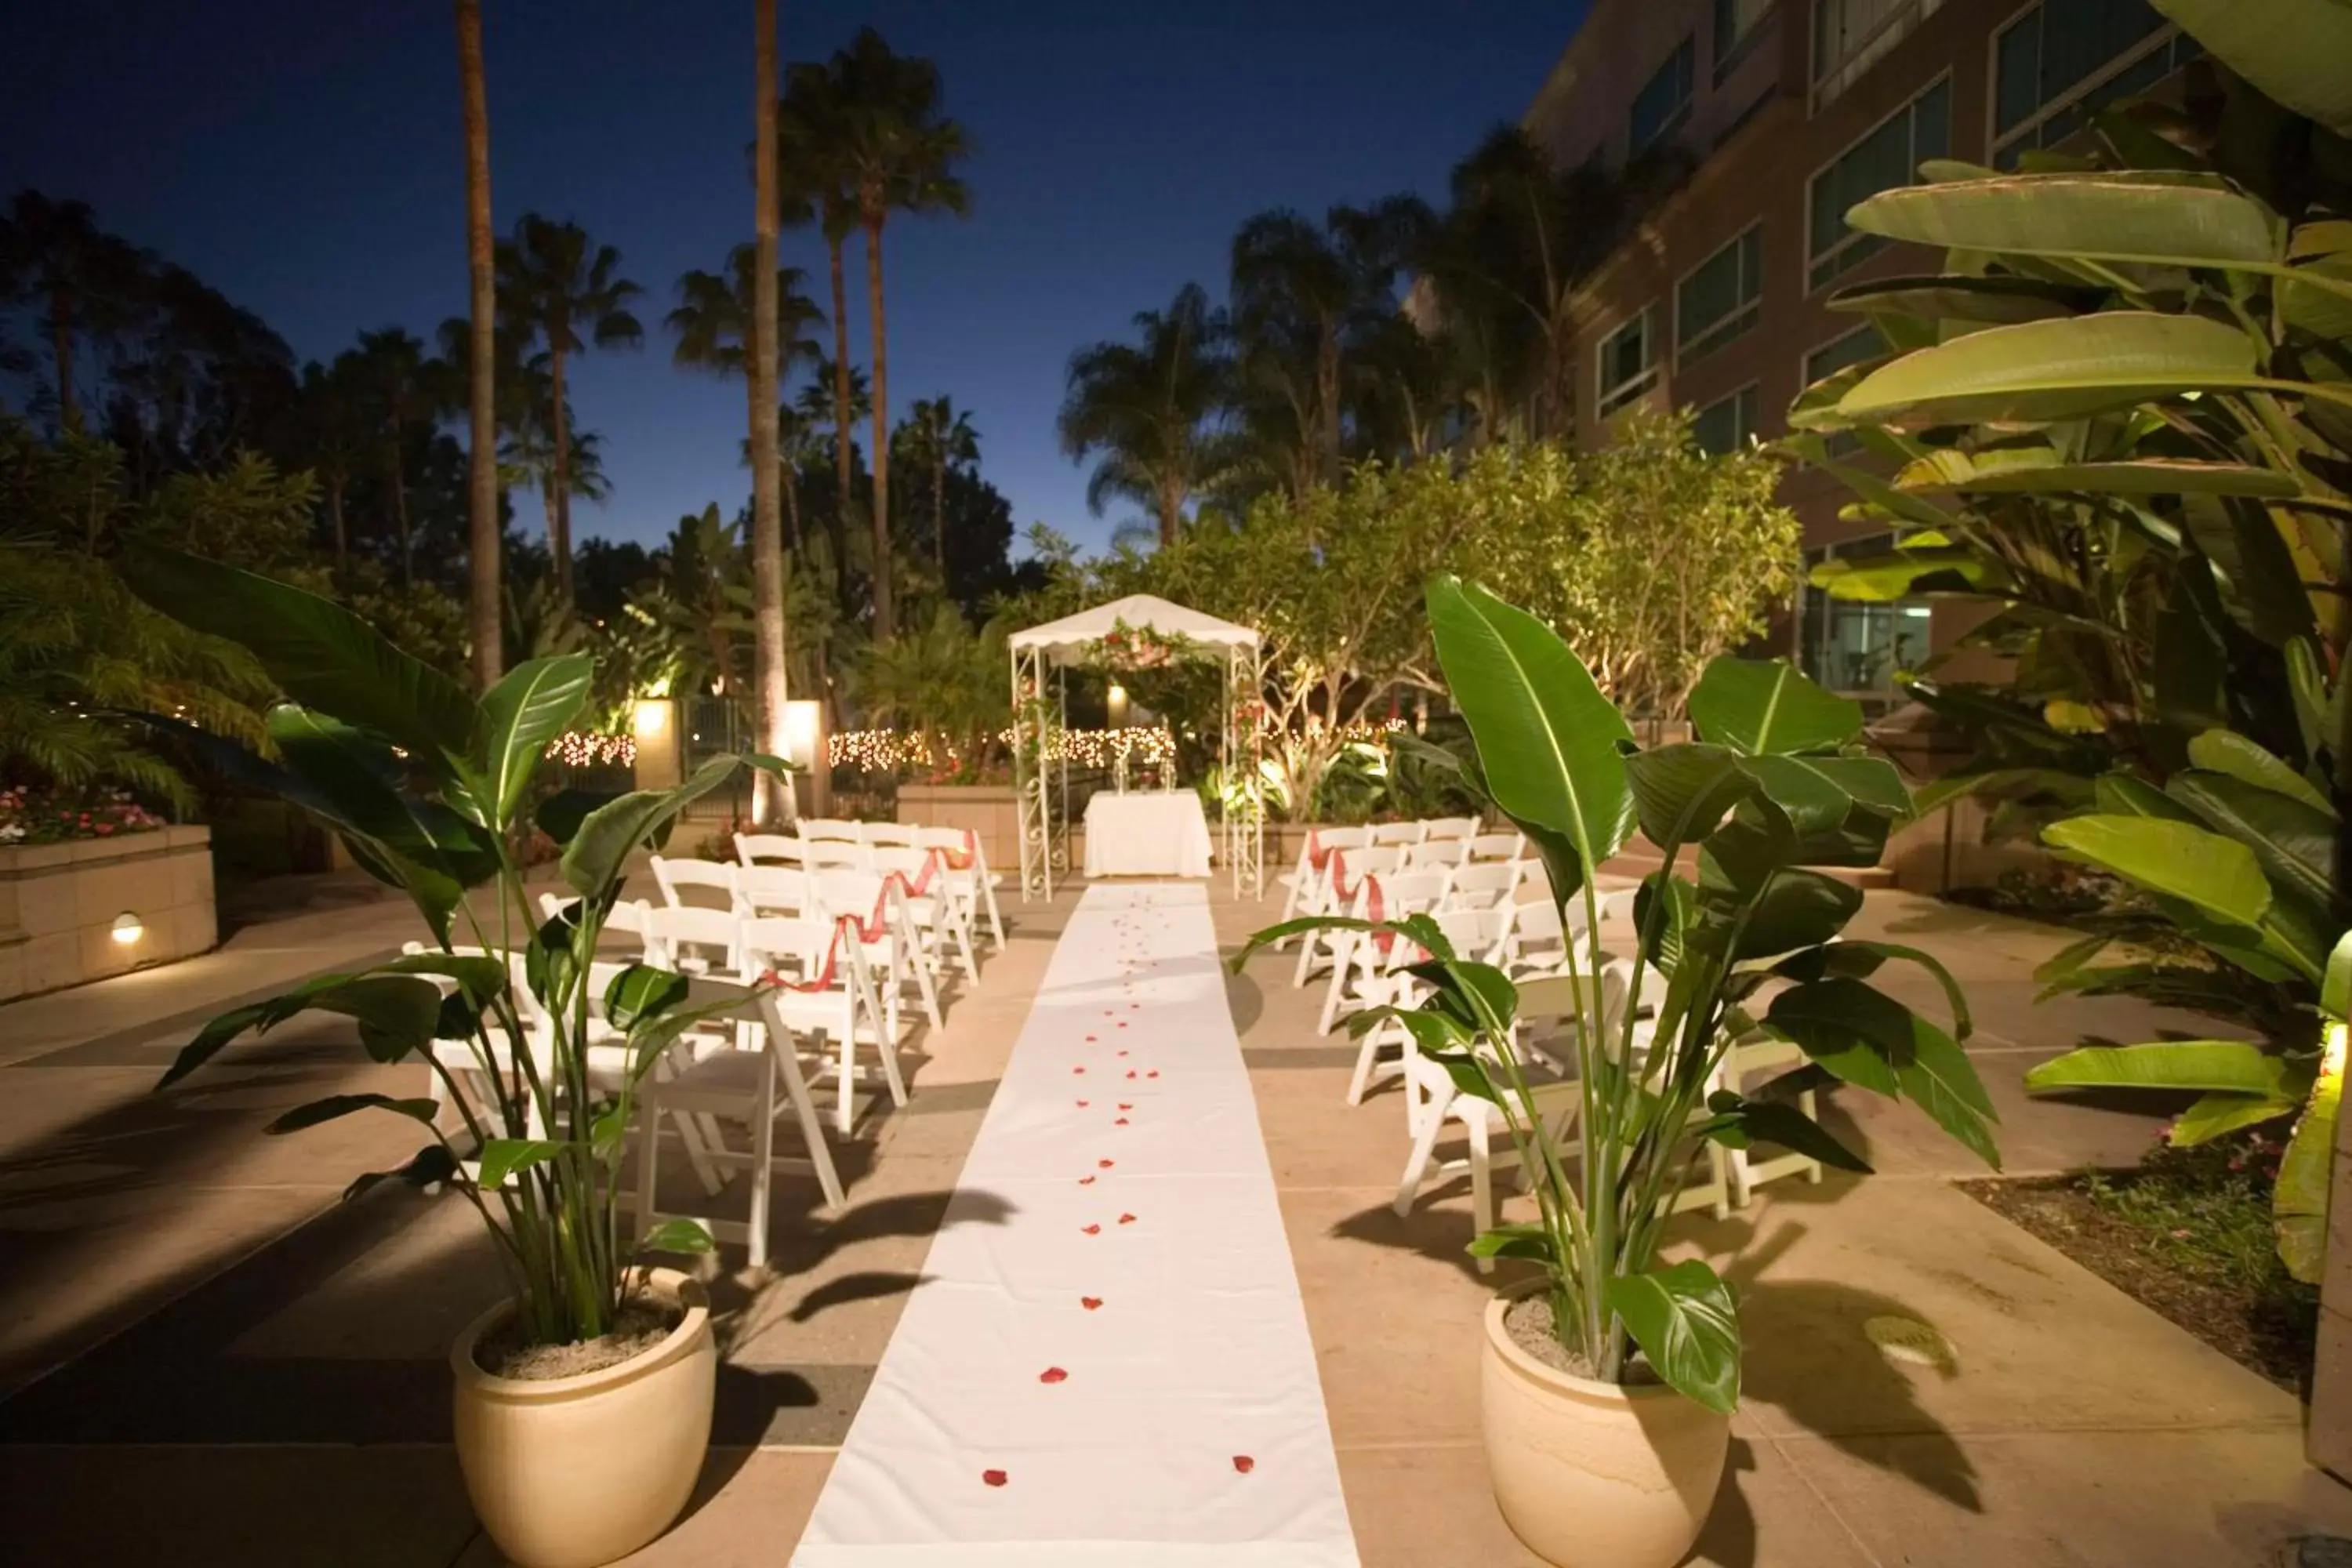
1371, 887
1316, 856
872, 928
824, 980
965, 858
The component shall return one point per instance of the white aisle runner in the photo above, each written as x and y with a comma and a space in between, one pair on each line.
1117, 1374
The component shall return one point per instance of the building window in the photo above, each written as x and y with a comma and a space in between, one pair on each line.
2065, 60
1628, 367
1727, 426
1661, 107
1721, 299
1888, 155
1736, 28
1860, 649
1850, 37
1862, 344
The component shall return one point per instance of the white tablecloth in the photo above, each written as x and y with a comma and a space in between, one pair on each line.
1152, 833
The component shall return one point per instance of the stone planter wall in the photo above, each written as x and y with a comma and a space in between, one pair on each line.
58, 903
991, 811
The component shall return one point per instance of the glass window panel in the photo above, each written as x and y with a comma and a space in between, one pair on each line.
1718, 302
1626, 368
1727, 425
2048, 66
1889, 156
2017, 74
1658, 108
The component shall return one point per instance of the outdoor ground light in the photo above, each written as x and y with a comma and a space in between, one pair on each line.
128, 928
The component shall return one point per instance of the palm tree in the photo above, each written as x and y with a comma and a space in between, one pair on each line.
556, 288
1304, 297
939, 436
716, 316
815, 185
899, 156
1148, 409
836, 397
483, 538
527, 457
78, 276
773, 802
403, 388
330, 417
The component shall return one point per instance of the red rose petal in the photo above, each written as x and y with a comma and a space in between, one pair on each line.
1122, 1023
1082, 1104
1053, 1374
1104, 1164
1243, 1463
1130, 1072
1120, 1122
1085, 1181
1122, 1053
993, 1478
1125, 1106
1153, 1073
1126, 1219
1090, 1039
1077, 1069
1090, 1302
1092, 1229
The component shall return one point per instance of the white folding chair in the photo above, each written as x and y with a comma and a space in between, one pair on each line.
1303, 885
754, 1085
1507, 846
774, 890
1342, 873
1481, 887
1359, 974
965, 865
824, 988
1460, 827
892, 950
1435, 853
1745, 1171
888, 835
1384, 833
837, 854
712, 882
757, 848
834, 828
940, 920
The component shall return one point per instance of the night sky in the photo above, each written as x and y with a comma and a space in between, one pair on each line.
306, 159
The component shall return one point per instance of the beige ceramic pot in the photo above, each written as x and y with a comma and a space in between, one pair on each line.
572, 1472
1591, 1475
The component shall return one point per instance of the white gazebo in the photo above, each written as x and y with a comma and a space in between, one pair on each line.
1042, 779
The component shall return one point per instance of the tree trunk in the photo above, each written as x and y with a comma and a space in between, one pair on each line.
61, 338
940, 515
559, 530
400, 512
1327, 392
841, 464
483, 544
1171, 513
791, 480
335, 517
774, 801
886, 623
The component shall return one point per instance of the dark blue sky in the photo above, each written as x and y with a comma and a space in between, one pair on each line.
305, 158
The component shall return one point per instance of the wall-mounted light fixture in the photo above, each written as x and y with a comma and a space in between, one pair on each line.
127, 928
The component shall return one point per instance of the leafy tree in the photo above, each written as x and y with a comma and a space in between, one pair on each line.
402, 389
79, 276
937, 436
557, 288
1147, 410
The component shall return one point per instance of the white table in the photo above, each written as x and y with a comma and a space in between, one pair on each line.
1149, 833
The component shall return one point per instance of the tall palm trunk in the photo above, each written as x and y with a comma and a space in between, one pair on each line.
400, 513
335, 518
940, 513
482, 543
834, 241
886, 623
774, 801
558, 517
61, 343
1172, 510
791, 488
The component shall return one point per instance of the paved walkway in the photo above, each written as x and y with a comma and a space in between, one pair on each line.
261, 1369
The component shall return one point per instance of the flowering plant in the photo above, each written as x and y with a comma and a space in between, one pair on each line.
29, 817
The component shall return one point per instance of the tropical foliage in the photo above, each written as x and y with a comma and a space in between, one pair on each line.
2123, 415
1775, 790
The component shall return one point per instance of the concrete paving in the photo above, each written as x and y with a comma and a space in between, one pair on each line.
189, 1319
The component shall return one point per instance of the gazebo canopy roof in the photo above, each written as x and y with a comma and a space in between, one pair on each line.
1069, 637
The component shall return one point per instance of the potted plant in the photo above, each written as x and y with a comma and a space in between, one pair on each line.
582, 1402
1608, 1382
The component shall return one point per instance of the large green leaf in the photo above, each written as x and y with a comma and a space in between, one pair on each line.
1907, 573
2294, 845
1941, 1080
2231, 1067
2044, 371
2295, 51
2164, 218
1994, 300
1683, 1319
339, 1105
610, 833
432, 1163
1738, 1124
2218, 876
2227, 752
1682, 792
2299, 1200
2042, 470
502, 1157
1854, 958
1798, 908
2217, 1115
1857, 1032
1817, 794
531, 705
321, 654
1764, 707
1546, 738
